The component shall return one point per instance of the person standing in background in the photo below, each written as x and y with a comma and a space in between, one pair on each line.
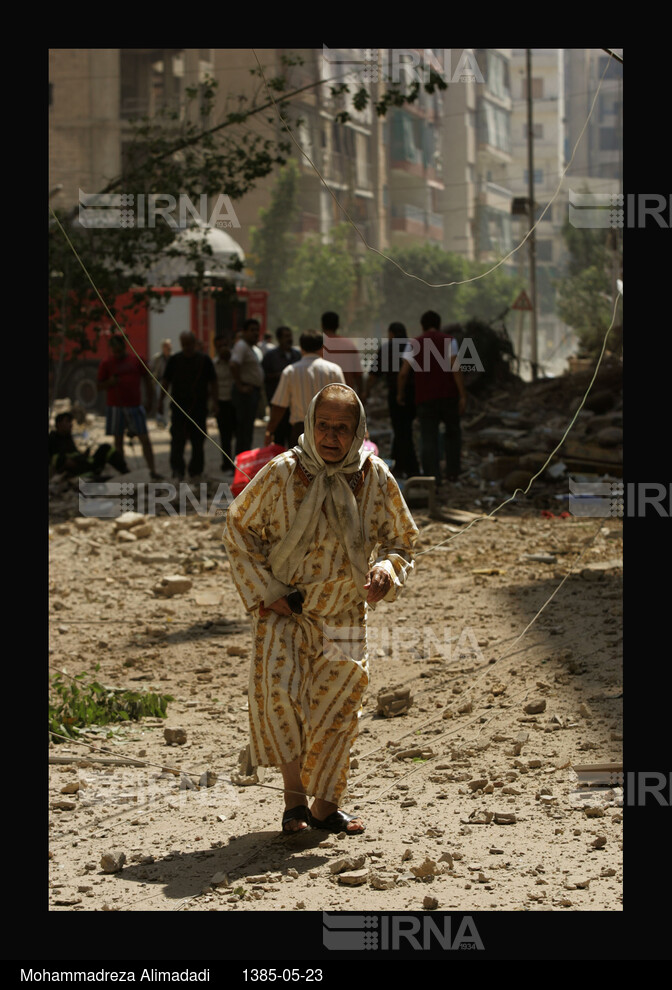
248, 381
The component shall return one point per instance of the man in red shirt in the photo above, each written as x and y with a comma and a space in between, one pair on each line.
120, 376
440, 394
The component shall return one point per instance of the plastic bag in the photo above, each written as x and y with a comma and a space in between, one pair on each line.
250, 462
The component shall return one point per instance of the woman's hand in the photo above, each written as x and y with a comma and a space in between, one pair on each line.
280, 605
378, 582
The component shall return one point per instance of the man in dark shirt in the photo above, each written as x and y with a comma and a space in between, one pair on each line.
192, 380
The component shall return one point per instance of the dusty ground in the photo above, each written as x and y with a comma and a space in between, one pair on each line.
469, 642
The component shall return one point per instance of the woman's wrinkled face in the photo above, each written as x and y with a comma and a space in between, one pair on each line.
335, 427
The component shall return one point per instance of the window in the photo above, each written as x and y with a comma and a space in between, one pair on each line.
537, 88
609, 139
149, 81
498, 76
495, 127
538, 175
544, 250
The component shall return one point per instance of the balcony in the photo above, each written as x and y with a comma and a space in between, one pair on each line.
408, 219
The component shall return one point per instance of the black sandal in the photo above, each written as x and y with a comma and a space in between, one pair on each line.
337, 821
298, 814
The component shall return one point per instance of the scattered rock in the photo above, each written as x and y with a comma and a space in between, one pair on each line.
535, 707
127, 520
393, 701
172, 584
379, 882
593, 811
347, 863
430, 903
237, 651
354, 878
428, 868
73, 787
113, 861
177, 736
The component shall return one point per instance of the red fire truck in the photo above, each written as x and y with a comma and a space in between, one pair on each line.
206, 314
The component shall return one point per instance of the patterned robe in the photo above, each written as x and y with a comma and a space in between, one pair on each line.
309, 672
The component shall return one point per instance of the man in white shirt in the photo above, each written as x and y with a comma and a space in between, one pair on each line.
248, 380
299, 383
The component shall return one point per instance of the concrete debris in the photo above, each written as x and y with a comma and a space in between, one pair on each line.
393, 701
172, 584
347, 863
354, 878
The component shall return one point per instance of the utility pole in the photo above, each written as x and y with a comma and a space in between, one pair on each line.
531, 204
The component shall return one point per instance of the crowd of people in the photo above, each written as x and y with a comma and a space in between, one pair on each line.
252, 377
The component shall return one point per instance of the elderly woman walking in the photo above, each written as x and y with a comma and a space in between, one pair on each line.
319, 536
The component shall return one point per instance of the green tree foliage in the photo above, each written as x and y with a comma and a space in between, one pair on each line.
406, 298
586, 291
322, 277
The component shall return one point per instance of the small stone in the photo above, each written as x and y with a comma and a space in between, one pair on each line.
593, 811
600, 842
127, 520
220, 880
381, 883
478, 784
446, 857
354, 878
427, 869
505, 818
172, 584
178, 736
73, 787
347, 863
535, 707
430, 903
113, 861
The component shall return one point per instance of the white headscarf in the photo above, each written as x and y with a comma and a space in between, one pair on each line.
329, 487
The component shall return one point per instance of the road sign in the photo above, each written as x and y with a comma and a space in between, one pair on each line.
522, 302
